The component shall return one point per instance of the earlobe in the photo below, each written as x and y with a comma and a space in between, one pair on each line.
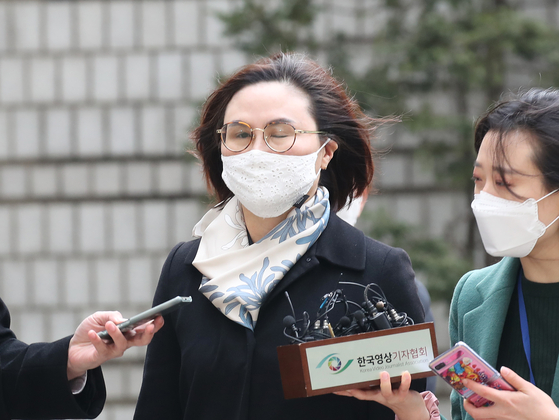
325, 161
329, 151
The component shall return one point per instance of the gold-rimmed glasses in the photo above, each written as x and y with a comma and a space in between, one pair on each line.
236, 136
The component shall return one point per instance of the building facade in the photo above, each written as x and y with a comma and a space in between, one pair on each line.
96, 101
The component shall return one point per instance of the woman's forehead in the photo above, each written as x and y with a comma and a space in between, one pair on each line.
509, 151
268, 97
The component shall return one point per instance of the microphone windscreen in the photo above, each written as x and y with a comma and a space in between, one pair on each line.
359, 315
288, 321
345, 321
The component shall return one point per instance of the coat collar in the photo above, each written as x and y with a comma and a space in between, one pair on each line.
484, 324
506, 271
349, 251
495, 291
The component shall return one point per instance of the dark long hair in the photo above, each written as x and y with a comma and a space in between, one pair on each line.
350, 171
535, 112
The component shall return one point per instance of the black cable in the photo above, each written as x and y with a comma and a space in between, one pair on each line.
352, 283
290, 304
375, 304
291, 337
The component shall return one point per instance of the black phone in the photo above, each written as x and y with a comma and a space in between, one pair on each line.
146, 316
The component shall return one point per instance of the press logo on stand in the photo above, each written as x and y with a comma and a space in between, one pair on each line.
334, 363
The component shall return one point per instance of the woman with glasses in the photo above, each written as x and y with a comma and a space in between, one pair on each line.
282, 148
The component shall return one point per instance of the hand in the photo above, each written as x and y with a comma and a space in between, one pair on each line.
406, 404
526, 403
88, 351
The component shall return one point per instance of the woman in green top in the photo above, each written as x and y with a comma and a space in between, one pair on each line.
509, 312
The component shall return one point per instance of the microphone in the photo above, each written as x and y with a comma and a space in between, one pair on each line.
371, 309
342, 325
379, 320
344, 321
395, 318
359, 317
289, 322
373, 314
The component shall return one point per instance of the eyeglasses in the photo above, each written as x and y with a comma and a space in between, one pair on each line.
280, 137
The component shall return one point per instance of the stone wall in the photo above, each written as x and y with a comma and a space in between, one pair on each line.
96, 100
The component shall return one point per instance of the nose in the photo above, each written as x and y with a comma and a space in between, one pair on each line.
489, 187
258, 142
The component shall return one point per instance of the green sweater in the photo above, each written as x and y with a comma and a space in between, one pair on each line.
542, 308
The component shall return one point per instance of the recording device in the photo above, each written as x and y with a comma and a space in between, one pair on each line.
146, 316
346, 344
461, 362
375, 313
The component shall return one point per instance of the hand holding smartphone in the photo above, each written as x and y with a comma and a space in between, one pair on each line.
146, 316
461, 362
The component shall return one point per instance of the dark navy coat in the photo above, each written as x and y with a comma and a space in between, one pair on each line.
201, 365
34, 383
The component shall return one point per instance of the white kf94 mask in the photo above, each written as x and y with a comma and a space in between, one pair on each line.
508, 228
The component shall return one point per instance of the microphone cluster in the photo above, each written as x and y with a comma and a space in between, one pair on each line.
373, 314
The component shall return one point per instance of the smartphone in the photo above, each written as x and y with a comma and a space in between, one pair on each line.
461, 362
148, 315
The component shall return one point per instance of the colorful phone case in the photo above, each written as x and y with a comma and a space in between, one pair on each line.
461, 362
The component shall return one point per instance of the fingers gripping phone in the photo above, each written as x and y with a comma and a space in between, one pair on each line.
146, 316
461, 362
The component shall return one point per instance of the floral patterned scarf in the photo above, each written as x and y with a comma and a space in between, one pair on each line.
237, 276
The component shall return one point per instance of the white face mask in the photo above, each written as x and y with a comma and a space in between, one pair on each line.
508, 228
269, 184
351, 212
